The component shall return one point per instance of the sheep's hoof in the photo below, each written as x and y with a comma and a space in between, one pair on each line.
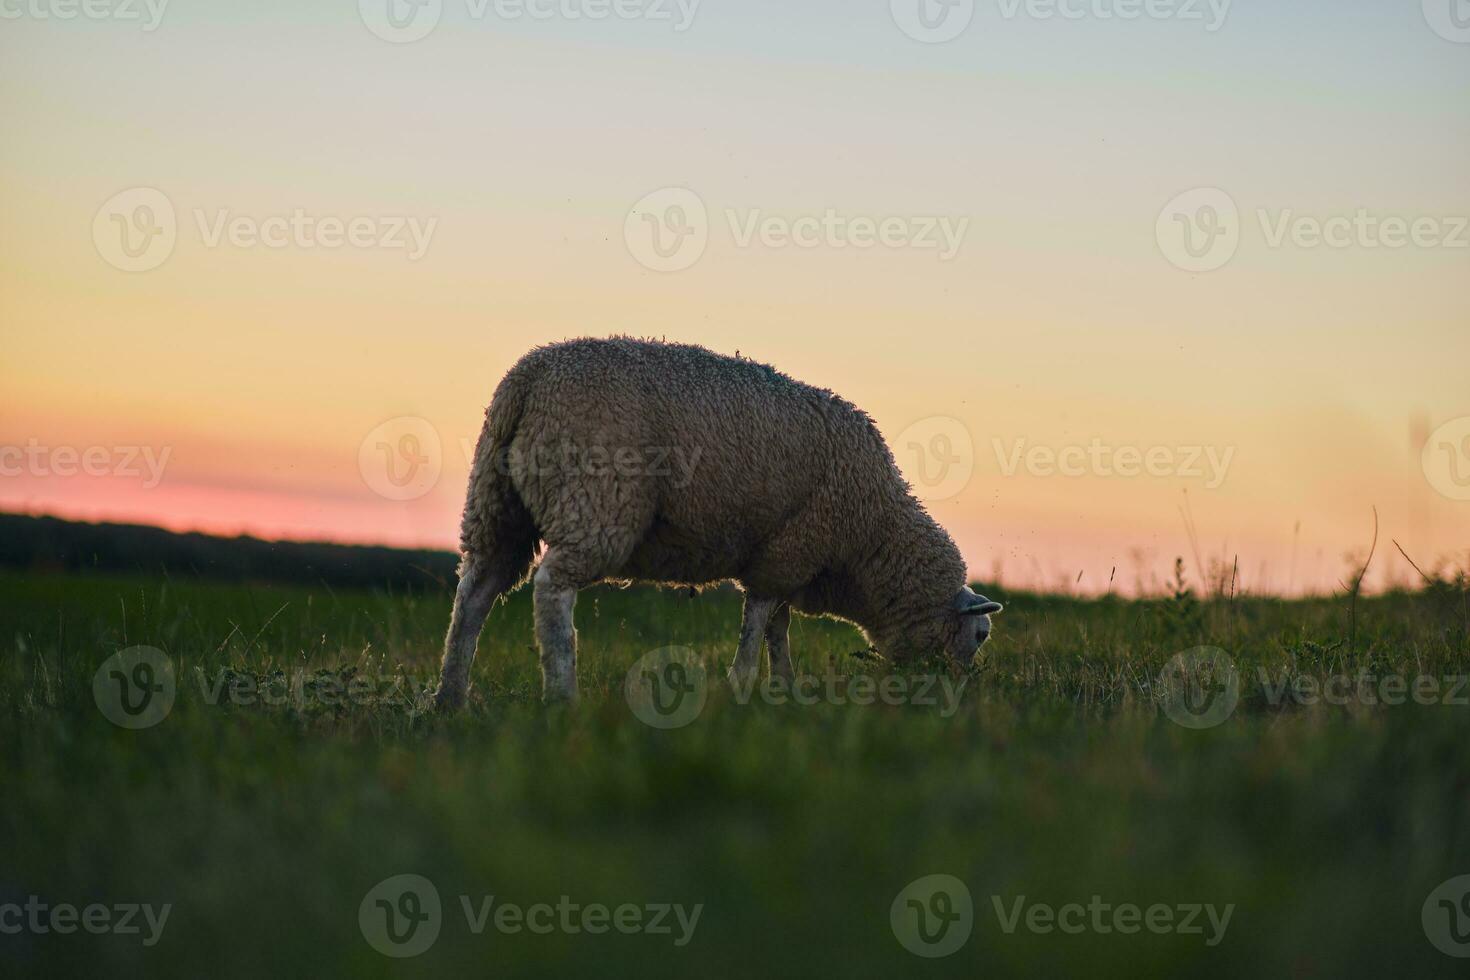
449, 699
559, 695
740, 680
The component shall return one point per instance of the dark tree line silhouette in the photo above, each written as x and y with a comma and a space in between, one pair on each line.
49, 544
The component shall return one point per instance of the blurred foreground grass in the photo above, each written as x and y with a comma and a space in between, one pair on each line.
1058, 777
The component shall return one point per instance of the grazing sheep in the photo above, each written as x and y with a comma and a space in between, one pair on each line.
643, 461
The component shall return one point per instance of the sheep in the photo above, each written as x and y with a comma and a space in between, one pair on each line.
636, 460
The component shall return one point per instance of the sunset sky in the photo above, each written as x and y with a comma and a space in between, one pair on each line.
516, 149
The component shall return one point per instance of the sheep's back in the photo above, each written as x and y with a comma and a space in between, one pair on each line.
730, 450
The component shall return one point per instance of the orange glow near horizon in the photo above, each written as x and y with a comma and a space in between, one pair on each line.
1060, 324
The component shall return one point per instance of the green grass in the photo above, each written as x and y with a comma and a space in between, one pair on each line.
1058, 778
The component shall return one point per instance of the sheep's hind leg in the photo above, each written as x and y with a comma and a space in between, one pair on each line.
752, 628
555, 596
778, 645
478, 589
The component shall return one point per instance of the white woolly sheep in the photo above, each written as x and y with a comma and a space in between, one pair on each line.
667, 463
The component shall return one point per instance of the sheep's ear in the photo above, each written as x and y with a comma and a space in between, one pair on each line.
974, 604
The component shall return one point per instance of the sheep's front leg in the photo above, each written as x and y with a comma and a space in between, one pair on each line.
752, 629
778, 644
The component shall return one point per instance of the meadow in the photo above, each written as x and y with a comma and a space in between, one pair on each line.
296, 769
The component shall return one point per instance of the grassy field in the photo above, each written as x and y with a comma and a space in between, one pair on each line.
1059, 774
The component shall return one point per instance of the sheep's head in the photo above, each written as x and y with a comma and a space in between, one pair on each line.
959, 628
967, 625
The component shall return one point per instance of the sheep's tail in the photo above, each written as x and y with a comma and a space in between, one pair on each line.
497, 539
497, 530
